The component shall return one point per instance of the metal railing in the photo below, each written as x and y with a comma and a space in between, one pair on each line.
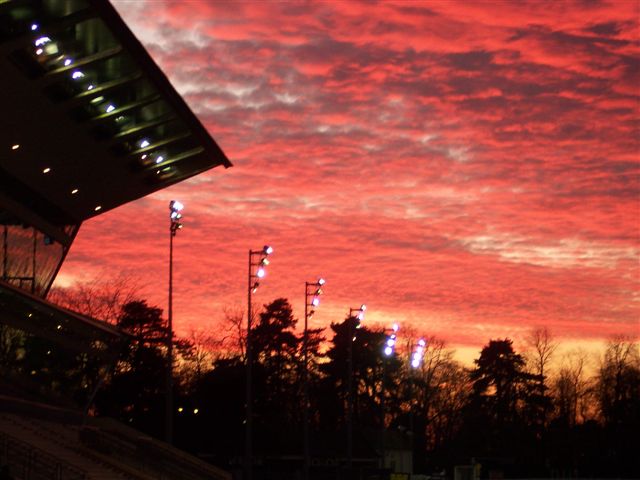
31, 463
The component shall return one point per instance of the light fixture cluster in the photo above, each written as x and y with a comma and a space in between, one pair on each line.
390, 344
175, 207
49, 52
314, 294
418, 353
358, 315
258, 268
156, 159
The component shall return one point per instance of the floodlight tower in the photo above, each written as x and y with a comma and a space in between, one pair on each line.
416, 360
388, 351
312, 292
258, 262
356, 315
418, 354
390, 343
175, 224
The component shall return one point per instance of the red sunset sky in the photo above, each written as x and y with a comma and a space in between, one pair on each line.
469, 168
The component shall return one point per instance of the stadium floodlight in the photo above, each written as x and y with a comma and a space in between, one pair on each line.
388, 350
390, 343
356, 315
257, 271
312, 292
418, 354
175, 207
359, 314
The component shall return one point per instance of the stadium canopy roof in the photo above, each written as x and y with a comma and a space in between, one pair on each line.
73, 331
89, 122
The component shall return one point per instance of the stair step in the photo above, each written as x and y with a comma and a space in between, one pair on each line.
68, 453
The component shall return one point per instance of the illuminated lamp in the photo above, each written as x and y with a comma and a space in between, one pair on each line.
42, 41
175, 206
174, 225
256, 271
416, 357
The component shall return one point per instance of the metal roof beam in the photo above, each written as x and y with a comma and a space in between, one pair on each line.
162, 143
105, 87
56, 26
127, 108
176, 159
54, 75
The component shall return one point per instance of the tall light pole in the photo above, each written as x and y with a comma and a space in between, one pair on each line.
354, 323
175, 224
257, 270
389, 350
312, 292
416, 360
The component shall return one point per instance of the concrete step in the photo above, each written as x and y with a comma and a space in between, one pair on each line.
58, 447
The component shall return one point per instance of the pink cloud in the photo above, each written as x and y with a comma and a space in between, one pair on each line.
469, 169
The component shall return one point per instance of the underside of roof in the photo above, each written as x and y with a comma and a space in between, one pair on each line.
89, 122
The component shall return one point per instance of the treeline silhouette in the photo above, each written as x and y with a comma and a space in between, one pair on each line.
510, 412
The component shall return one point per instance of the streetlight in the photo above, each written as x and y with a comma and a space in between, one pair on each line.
175, 224
312, 292
258, 262
354, 323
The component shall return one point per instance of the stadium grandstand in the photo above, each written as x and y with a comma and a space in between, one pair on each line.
89, 122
